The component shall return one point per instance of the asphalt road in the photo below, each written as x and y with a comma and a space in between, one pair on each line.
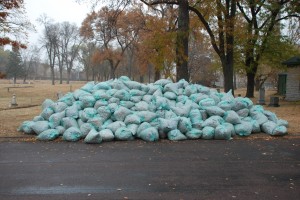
236, 169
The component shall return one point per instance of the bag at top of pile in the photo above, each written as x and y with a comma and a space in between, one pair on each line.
122, 109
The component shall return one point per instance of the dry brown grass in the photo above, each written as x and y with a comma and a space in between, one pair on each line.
11, 119
289, 111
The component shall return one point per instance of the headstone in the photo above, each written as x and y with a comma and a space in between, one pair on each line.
261, 100
13, 102
274, 101
59, 95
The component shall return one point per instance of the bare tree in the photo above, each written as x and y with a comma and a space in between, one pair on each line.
86, 52
293, 30
50, 41
200, 61
114, 30
30, 60
71, 42
61, 53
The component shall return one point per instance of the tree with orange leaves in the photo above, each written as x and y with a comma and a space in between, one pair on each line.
100, 66
13, 23
114, 30
157, 44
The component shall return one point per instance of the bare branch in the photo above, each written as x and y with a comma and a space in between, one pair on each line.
243, 12
208, 29
288, 16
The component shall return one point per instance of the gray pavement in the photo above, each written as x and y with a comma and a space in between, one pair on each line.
236, 169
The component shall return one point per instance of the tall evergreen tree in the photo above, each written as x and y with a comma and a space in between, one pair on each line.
14, 67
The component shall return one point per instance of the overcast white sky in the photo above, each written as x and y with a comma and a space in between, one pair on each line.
58, 10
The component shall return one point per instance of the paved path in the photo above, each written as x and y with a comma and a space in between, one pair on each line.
236, 169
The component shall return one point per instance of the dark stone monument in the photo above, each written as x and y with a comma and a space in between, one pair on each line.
274, 101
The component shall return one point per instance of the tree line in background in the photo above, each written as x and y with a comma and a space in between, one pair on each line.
189, 39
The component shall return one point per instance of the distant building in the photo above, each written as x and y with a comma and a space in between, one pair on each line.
289, 82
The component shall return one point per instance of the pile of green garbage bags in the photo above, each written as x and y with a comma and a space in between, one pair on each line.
122, 109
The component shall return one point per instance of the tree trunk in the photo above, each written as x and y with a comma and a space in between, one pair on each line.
251, 68
93, 73
130, 65
68, 75
157, 75
60, 75
52, 76
250, 84
87, 75
149, 73
112, 69
234, 80
182, 41
141, 79
257, 84
250, 73
25, 77
228, 76
230, 22
130, 71
112, 73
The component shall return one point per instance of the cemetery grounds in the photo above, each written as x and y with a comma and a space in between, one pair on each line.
29, 98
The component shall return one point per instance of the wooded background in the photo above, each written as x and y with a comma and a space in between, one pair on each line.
201, 41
